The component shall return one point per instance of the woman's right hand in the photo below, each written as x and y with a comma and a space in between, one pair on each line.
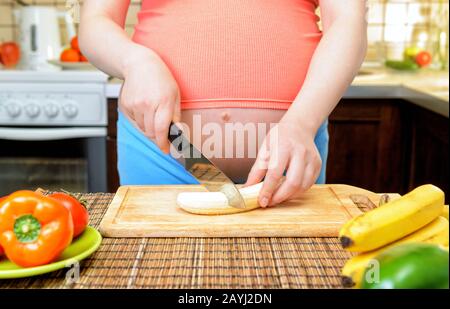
150, 96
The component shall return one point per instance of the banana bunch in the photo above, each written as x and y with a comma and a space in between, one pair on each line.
417, 217
445, 212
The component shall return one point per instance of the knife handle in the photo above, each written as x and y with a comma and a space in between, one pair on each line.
174, 133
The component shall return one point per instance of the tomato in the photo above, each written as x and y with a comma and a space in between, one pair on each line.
9, 54
74, 43
423, 58
70, 55
1, 200
83, 58
79, 213
1, 249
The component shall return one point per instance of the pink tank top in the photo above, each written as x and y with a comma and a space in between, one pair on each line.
232, 53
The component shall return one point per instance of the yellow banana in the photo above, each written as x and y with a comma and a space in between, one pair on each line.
435, 232
445, 212
393, 220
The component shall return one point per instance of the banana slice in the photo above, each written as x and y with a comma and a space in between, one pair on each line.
217, 203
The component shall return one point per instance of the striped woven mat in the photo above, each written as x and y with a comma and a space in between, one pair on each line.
199, 262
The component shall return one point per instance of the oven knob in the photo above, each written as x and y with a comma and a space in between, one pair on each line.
70, 110
51, 109
13, 108
32, 110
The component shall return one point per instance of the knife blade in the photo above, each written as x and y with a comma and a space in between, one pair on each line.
191, 156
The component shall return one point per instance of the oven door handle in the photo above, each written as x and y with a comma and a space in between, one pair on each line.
48, 134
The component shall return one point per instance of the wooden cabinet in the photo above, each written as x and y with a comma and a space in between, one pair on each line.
429, 150
111, 146
387, 146
113, 176
379, 145
367, 145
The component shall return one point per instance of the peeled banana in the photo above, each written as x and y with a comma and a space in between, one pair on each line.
436, 232
393, 220
217, 203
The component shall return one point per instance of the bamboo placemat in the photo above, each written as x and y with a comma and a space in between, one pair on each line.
199, 262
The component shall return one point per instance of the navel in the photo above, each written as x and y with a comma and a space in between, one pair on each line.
225, 116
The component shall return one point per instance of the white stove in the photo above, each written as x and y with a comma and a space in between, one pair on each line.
53, 128
64, 98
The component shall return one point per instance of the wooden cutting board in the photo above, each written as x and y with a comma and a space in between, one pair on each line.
151, 211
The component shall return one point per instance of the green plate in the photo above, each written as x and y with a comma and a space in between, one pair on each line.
81, 247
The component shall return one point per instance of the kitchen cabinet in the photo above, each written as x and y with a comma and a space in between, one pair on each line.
387, 146
113, 176
111, 146
367, 145
429, 150
383, 145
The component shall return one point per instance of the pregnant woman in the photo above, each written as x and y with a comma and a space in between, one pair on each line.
225, 62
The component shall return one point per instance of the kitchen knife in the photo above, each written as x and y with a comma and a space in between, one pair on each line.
191, 156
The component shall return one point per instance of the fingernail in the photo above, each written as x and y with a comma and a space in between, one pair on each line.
264, 202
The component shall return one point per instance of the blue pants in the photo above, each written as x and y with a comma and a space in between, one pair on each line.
141, 162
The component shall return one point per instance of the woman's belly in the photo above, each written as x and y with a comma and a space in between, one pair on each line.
230, 137
232, 53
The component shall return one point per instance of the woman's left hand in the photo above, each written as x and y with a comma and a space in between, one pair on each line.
289, 147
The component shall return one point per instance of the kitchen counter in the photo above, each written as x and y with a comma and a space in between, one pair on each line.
183, 262
199, 262
428, 89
